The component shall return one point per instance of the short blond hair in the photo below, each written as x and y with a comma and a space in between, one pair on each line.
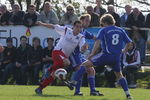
82, 17
108, 19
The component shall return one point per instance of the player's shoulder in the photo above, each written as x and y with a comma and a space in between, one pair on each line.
120, 28
81, 35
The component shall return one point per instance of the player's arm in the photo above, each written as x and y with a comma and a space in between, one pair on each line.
45, 24
127, 40
89, 35
95, 49
126, 48
82, 44
60, 29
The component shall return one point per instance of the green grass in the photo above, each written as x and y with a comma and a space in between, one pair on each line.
14, 92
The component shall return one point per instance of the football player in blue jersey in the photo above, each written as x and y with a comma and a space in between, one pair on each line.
111, 40
76, 59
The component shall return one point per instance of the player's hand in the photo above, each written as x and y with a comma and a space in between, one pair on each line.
124, 51
84, 47
39, 23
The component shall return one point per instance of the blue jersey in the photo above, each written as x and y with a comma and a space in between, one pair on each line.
76, 57
87, 34
112, 39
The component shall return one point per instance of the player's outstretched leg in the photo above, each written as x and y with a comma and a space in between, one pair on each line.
45, 82
123, 82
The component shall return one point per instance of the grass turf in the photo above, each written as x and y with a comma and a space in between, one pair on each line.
14, 92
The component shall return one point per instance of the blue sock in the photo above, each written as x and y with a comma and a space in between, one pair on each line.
79, 73
78, 85
91, 80
123, 83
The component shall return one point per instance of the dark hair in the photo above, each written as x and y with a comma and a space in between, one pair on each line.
31, 5
36, 38
50, 38
23, 37
76, 22
9, 39
108, 19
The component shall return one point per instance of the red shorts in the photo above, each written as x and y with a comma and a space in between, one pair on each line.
58, 56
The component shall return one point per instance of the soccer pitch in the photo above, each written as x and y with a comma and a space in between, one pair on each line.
14, 92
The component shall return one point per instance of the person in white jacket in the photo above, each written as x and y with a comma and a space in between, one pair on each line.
131, 63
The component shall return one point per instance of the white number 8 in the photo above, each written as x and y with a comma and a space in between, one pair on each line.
115, 39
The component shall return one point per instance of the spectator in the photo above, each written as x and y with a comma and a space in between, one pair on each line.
8, 61
116, 16
22, 60
1, 70
147, 23
5, 15
47, 55
136, 20
16, 15
69, 17
131, 62
35, 60
94, 17
30, 17
99, 9
48, 15
124, 17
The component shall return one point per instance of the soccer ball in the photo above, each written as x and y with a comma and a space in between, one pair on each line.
60, 74
1, 48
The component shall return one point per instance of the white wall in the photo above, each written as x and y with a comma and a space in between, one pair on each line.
17, 31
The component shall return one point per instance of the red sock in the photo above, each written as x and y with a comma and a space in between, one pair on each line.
46, 82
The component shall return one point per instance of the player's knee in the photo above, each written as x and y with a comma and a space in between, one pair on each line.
87, 63
90, 71
119, 75
66, 62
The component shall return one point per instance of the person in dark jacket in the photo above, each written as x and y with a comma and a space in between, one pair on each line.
94, 17
147, 23
4, 15
47, 56
124, 17
116, 16
99, 9
35, 60
30, 17
22, 61
16, 15
8, 61
135, 21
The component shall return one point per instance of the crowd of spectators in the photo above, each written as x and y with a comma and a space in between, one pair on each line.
27, 60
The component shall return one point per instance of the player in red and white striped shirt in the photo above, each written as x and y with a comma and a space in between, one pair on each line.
69, 40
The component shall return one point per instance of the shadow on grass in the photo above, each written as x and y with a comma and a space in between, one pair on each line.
100, 99
48, 95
